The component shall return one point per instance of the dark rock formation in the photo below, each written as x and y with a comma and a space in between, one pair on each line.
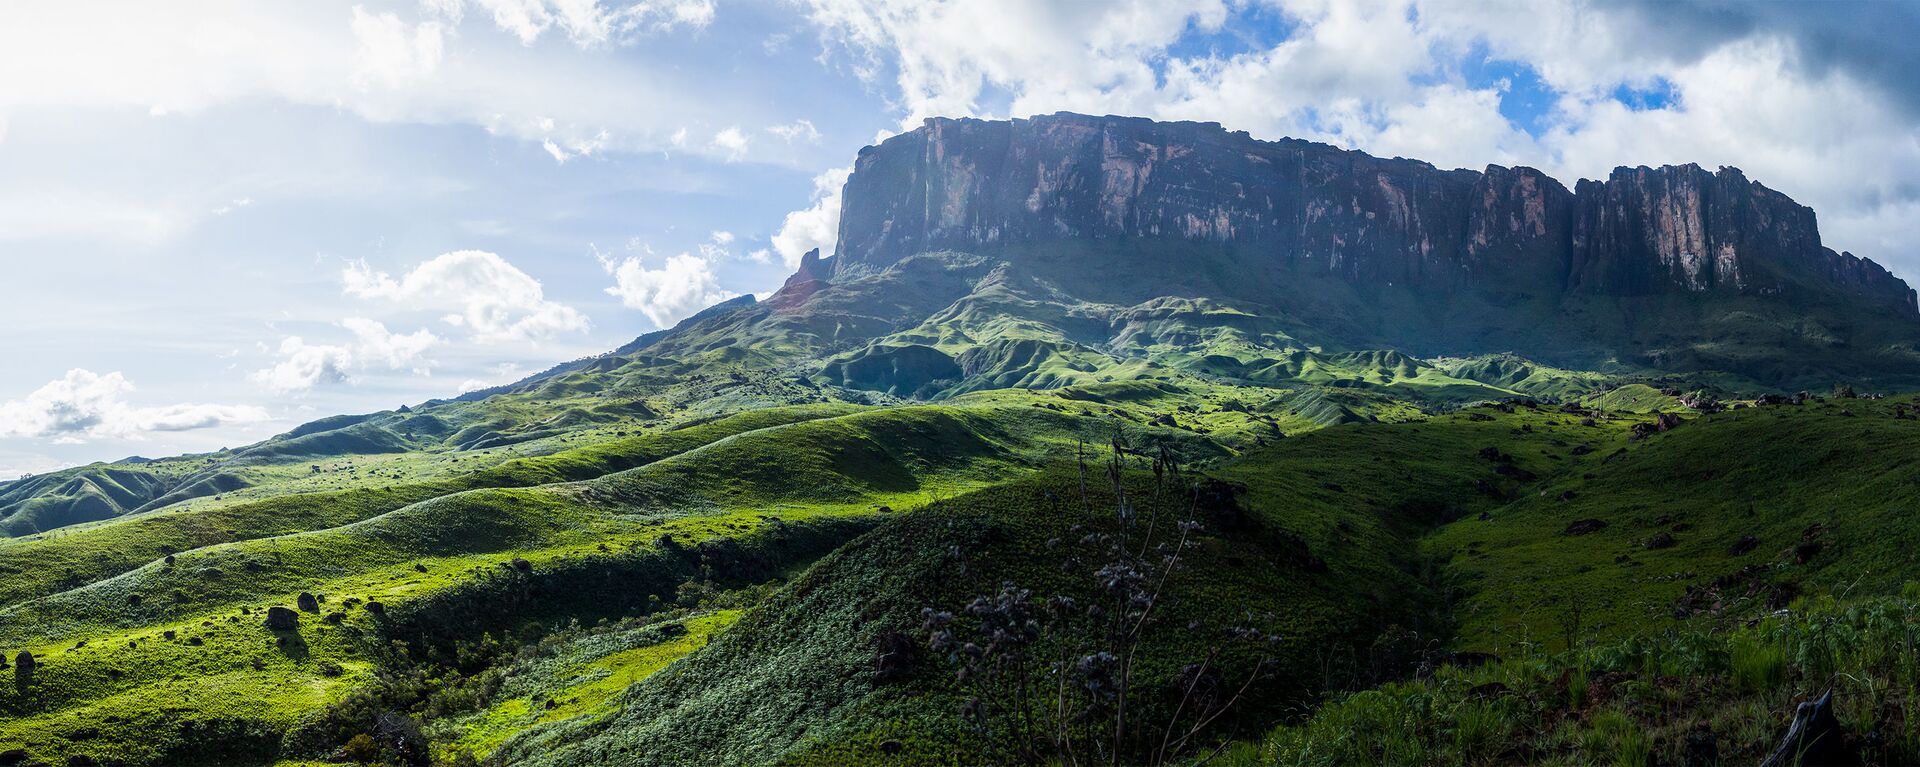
813, 274
308, 603
894, 656
282, 619
1815, 737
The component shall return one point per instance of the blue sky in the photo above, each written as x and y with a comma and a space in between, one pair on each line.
219, 222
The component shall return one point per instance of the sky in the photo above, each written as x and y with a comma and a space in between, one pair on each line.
219, 220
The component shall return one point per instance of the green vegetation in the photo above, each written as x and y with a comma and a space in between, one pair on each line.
718, 546
1673, 697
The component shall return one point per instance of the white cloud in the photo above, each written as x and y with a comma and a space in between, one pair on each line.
382, 62
586, 22
567, 149
86, 405
1070, 55
732, 141
232, 205
503, 373
684, 284
817, 226
393, 52
303, 366
489, 297
377, 344
798, 130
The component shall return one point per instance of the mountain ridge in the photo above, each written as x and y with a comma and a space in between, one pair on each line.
962, 184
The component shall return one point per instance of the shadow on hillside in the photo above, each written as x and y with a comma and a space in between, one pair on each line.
291, 644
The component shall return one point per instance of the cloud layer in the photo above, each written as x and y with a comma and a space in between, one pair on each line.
85, 405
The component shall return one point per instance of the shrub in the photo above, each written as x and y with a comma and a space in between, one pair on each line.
360, 749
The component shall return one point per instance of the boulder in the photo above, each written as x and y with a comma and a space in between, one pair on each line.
282, 619
1584, 526
308, 603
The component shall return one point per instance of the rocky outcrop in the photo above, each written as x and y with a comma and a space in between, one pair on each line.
1297, 207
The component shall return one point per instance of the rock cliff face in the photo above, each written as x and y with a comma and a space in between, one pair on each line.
1294, 206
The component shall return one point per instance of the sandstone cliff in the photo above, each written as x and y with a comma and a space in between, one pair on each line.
1298, 207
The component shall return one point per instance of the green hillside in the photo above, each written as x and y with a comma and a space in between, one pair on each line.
734, 542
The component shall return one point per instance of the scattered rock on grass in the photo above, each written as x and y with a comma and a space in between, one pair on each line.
282, 619
1584, 526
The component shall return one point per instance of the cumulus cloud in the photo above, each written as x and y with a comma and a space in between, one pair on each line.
483, 293
732, 141
303, 366
818, 225
681, 285
85, 405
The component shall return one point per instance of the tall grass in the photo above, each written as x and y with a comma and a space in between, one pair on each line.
1633, 702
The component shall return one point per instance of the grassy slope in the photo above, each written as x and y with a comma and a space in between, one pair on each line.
37, 566
792, 680
1771, 473
104, 656
1394, 510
